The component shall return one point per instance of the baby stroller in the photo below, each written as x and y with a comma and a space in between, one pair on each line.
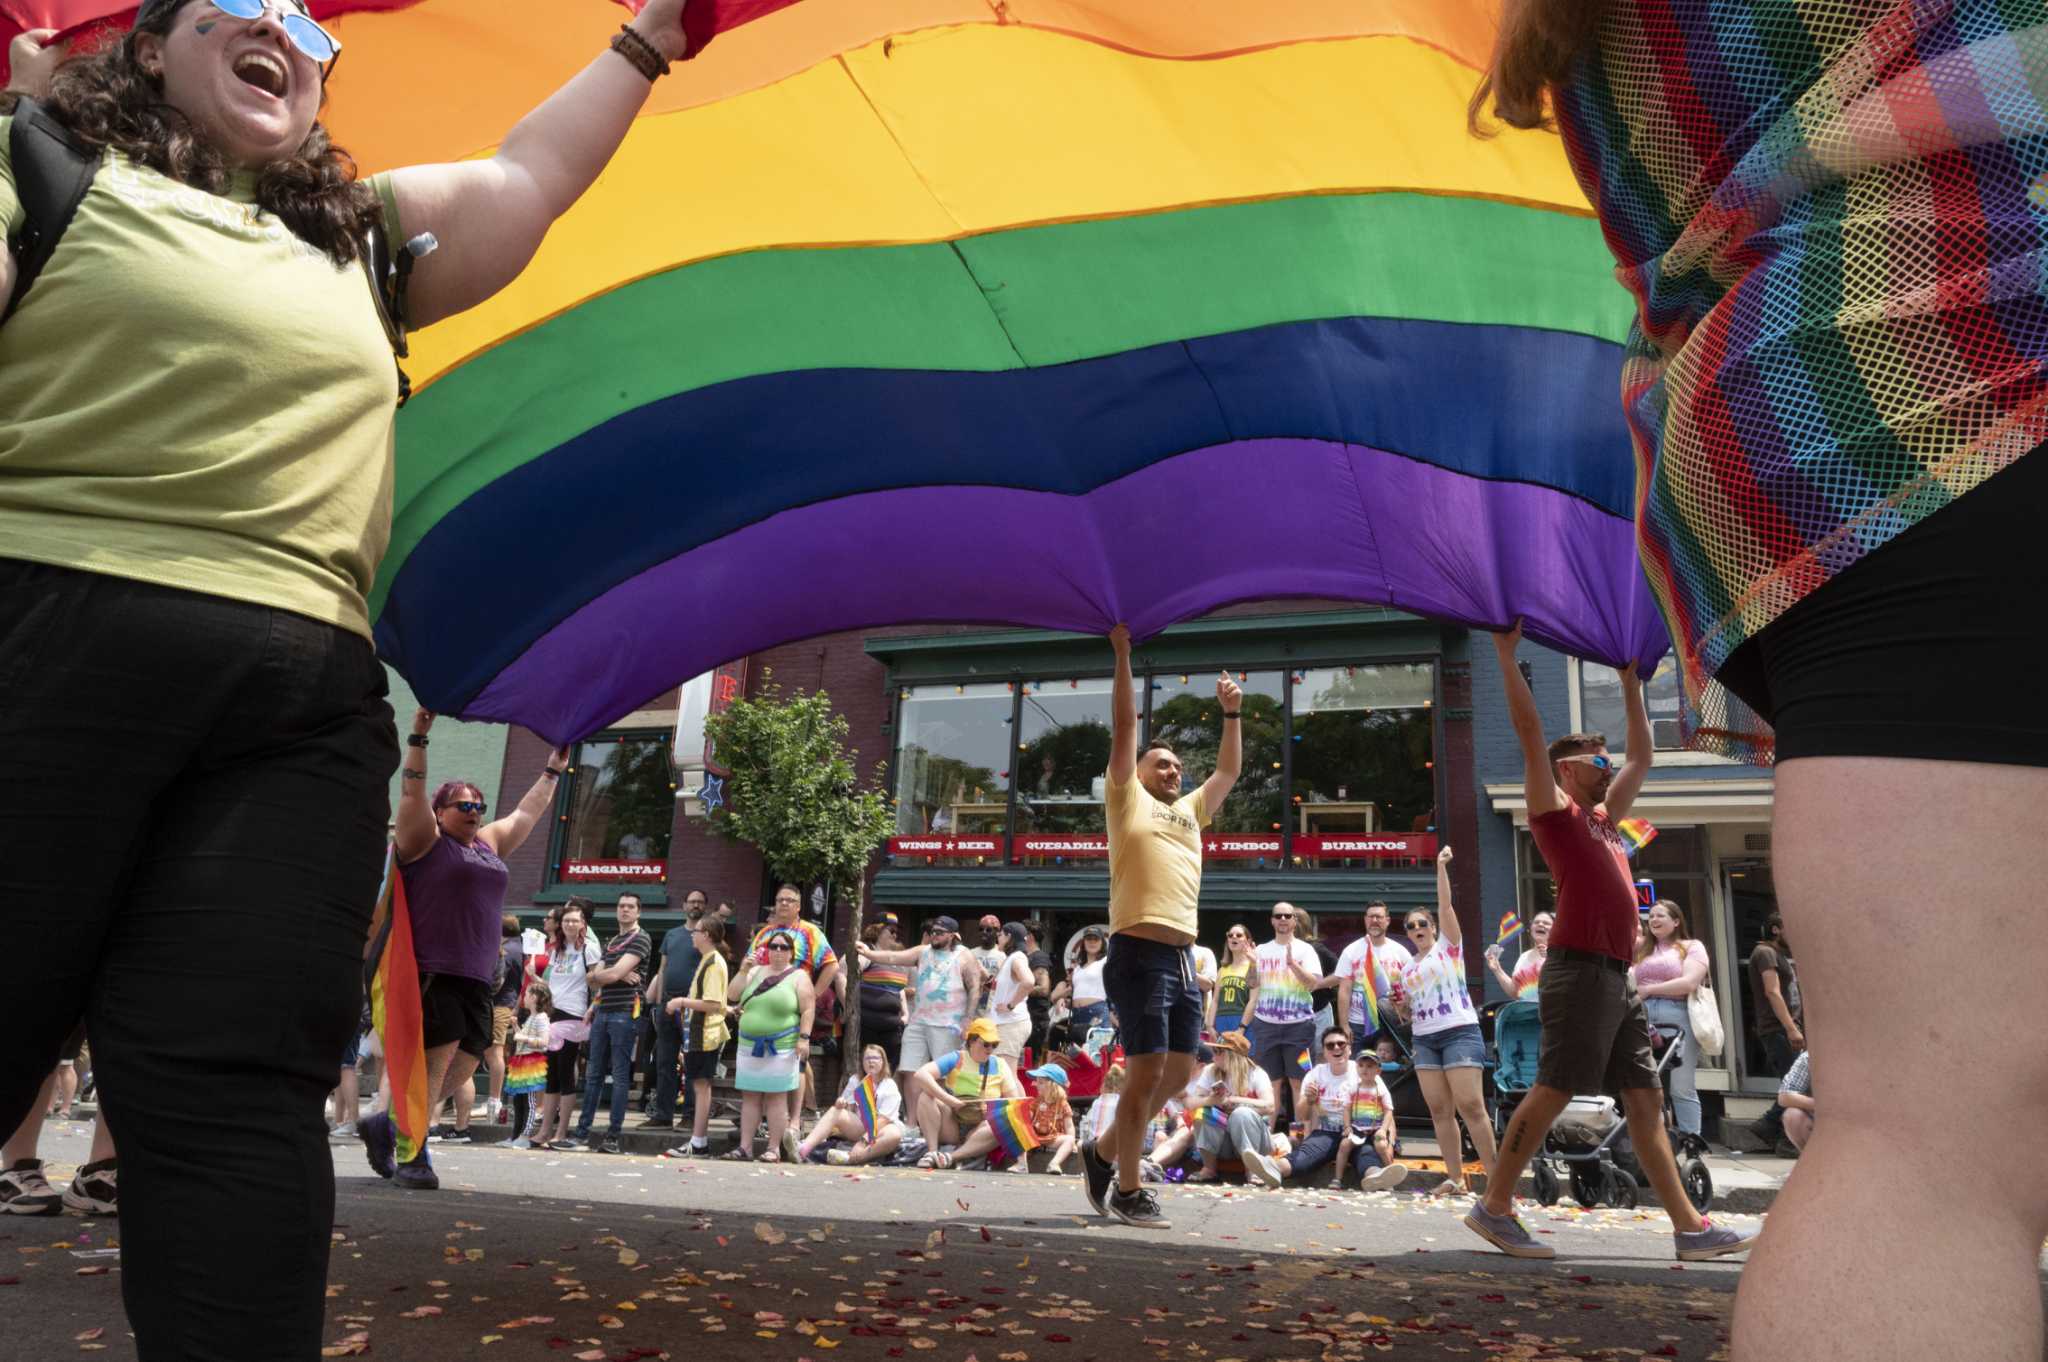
1588, 1143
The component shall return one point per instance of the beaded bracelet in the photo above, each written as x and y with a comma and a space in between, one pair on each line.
645, 56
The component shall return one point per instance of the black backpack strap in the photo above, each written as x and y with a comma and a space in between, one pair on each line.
52, 172
387, 276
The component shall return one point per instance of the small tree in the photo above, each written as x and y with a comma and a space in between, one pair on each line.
794, 796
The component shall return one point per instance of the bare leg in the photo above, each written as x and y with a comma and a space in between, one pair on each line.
1294, 1088
464, 1096
1058, 1162
1532, 1121
832, 1124
22, 1143
778, 1121
1942, 862
439, 1089
1148, 1082
750, 1116
884, 1145
348, 1098
700, 1118
1443, 1118
1798, 1127
1645, 1108
67, 1089
1468, 1091
102, 1142
494, 1067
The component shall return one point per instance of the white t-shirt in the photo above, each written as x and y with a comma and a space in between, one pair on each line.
1283, 997
1088, 984
1389, 959
567, 976
1435, 984
1205, 964
1100, 1117
1208, 1085
1012, 999
990, 961
888, 1101
1329, 1092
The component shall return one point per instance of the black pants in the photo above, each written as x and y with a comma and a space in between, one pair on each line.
192, 828
1778, 1057
668, 1048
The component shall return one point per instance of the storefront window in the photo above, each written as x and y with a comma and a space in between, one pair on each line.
1601, 709
1364, 773
1186, 717
952, 774
1062, 759
620, 805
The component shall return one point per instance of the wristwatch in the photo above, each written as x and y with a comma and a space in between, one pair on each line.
415, 740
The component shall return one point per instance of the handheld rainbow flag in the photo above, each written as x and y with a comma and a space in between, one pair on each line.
1209, 1114
864, 1104
1638, 832
1012, 1126
1369, 985
1305, 1061
1510, 928
394, 985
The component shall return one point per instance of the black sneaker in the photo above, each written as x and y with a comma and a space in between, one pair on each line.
380, 1143
25, 1191
1098, 1177
459, 1135
568, 1142
92, 1190
1140, 1208
418, 1176
659, 1123
608, 1145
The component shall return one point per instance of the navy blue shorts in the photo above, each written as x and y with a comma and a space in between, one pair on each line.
1152, 990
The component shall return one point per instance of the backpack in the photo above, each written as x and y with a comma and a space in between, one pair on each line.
53, 171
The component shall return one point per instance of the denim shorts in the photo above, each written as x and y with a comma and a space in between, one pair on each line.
1456, 1047
1152, 990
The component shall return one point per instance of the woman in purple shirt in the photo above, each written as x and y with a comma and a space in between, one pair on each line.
452, 864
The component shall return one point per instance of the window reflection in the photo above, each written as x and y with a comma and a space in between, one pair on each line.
1063, 739
952, 765
620, 807
1601, 709
1186, 717
1364, 753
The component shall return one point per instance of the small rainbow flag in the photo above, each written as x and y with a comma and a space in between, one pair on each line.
1011, 1124
864, 1104
1638, 832
1369, 984
1305, 1061
1209, 1114
1510, 928
394, 980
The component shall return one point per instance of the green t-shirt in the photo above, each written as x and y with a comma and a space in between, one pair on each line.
191, 395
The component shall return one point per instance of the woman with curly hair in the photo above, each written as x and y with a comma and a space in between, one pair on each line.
196, 398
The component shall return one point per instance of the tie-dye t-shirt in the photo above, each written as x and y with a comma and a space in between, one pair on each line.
1436, 983
1283, 995
1370, 1103
1387, 960
940, 994
1330, 1091
1528, 972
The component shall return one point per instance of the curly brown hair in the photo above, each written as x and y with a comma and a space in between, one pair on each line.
1538, 43
106, 100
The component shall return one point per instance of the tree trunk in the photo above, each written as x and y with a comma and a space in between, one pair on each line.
849, 1048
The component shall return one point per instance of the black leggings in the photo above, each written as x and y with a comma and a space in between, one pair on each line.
192, 832
1929, 647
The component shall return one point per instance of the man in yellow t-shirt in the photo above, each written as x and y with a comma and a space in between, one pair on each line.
1155, 881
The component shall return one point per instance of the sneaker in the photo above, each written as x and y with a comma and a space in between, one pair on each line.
1506, 1233
418, 1176
380, 1144
345, 1131
838, 1158
441, 1131
25, 1191
1098, 1177
1260, 1166
495, 1113
608, 1145
1384, 1178
792, 1148
519, 1142
570, 1142
92, 1189
458, 1135
1785, 1149
1140, 1208
1712, 1241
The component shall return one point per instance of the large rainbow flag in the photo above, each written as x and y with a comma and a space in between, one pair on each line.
874, 290
393, 976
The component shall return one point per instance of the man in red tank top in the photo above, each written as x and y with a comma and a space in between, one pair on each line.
1596, 1038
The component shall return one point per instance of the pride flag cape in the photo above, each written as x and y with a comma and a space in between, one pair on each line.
393, 977
1012, 1126
864, 1104
1638, 832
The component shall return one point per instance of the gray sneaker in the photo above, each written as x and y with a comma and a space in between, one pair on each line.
1140, 1208
1712, 1241
1505, 1232
1261, 1166
25, 1191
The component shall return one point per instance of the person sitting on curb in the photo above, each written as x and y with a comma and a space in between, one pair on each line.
1052, 1123
1243, 1093
843, 1119
950, 1093
1372, 1141
1795, 1095
1329, 1095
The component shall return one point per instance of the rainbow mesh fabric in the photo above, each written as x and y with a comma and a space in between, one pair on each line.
1832, 216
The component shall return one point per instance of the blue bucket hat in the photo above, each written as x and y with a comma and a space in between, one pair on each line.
1051, 1073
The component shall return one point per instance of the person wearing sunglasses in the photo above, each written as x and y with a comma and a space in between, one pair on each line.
452, 864
775, 1004
1596, 1034
197, 398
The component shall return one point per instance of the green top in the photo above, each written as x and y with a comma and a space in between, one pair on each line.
191, 395
771, 1011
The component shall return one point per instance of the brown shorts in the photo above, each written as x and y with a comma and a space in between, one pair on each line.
504, 1021
1596, 1037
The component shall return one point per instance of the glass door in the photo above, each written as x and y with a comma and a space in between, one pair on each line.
1751, 896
